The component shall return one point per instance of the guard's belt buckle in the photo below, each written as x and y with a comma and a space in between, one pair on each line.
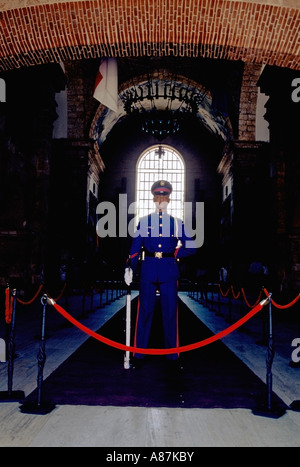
158, 254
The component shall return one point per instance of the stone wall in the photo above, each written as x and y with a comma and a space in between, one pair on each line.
248, 102
26, 136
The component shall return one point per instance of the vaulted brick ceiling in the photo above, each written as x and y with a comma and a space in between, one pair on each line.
40, 31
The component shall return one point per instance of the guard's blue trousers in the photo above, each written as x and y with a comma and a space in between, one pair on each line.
154, 277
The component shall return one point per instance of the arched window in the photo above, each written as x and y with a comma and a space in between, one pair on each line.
160, 162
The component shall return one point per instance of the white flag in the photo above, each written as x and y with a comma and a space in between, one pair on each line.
106, 85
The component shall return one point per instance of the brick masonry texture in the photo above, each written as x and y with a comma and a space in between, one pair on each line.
37, 32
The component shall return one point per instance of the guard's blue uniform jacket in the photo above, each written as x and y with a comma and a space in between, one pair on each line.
160, 239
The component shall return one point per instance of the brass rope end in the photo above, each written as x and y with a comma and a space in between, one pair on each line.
265, 301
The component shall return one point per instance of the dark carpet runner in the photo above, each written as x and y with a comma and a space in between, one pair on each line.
212, 376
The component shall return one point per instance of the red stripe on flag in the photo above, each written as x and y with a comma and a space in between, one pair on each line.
99, 78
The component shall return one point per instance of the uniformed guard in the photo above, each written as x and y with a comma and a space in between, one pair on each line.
160, 240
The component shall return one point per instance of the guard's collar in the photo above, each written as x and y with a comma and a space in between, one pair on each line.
161, 211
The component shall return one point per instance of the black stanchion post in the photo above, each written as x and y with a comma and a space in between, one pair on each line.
207, 302
67, 297
218, 313
100, 295
106, 294
229, 319
42, 352
210, 295
198, 291
212, 305
92, 300
205, 292
11, 346
84, 312
10, 395
269, 408
241, 303
40, 407
270, 358
112, 292
264, 338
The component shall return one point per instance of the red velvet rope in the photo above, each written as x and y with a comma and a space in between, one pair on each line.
33, 298
61, 293
224, 294
173, 350
235, 296
8, 306
29, 302
247, 302
288, 305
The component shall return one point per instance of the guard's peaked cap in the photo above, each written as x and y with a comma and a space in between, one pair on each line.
161, 187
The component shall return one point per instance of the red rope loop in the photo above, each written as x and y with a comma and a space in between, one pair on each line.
246, 300
29, 302
184, 348
61, 293
288, 305
235, 296
224, 294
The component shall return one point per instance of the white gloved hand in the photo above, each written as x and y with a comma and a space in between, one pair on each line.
128, 276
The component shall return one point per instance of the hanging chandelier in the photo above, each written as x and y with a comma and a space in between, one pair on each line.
161, 105
161, 123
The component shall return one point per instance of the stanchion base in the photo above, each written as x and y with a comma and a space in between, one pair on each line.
13, 396
265, 411
37, 409
295, 405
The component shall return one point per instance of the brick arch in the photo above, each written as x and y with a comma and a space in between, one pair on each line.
34, 32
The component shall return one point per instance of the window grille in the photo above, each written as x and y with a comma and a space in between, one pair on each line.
156, 163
